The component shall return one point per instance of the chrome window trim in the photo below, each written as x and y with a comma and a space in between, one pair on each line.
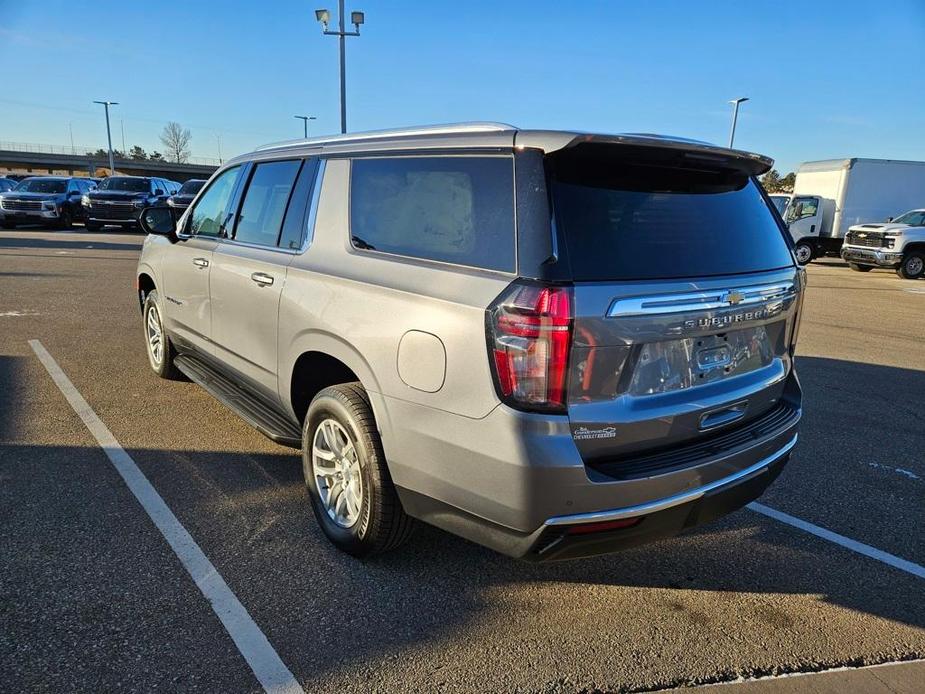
706, 300
312, 215
309, 223
677, 499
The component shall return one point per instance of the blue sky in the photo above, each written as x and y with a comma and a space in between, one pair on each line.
826, 79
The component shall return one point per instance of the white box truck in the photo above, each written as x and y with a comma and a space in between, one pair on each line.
830, 196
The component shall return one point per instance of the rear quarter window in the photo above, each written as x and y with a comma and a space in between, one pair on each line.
629, 220
451, 209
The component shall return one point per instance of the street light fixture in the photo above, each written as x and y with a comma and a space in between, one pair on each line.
305, 120
356, 18
106, 105
735, 117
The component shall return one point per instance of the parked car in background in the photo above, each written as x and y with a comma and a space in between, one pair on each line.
831, 196
514, 335
898, 244
780, 201
47, 200
119, 200
183, 197
7, 184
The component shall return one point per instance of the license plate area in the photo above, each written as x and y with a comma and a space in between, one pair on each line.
672, 365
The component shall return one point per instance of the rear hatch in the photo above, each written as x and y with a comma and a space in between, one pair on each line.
685, 300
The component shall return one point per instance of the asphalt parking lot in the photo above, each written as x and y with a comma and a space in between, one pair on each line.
92, 598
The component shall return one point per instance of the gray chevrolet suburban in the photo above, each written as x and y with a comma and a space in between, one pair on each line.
555, 344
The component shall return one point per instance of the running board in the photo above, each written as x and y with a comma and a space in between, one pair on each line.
251, 409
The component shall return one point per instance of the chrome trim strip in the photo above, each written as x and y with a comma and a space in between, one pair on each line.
672, 501
309, 230
699, 301
448, 129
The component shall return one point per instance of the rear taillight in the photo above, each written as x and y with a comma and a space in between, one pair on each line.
529, 336
798, 311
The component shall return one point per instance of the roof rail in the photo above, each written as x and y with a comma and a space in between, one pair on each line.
446, 129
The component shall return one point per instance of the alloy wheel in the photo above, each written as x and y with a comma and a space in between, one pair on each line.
336, 469
155, 335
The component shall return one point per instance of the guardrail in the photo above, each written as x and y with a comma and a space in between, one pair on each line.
83, 151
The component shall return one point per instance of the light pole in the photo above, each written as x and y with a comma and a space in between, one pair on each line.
356, 18
735, 117
305, 120
106, 105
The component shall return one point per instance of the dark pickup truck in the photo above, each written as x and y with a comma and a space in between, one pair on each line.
187, 193
119, 200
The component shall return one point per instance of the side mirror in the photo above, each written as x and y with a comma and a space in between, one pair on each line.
159, 220
889, 219
158, 191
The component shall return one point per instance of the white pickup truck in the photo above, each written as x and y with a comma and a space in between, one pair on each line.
829, 197
899, 244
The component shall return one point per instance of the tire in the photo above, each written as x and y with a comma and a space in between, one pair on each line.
912, 266
66, 220
161, 362
804, 252
366, 515
92, 226
860, 268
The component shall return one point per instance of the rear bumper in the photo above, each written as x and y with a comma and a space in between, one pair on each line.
659, 519
516, 482
871, 256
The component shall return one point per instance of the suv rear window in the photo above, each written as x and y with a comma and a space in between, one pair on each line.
628, 220
451, 209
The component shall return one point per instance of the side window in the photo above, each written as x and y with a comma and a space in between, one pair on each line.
265, 201
208, 217
452, 209
303, 193
800, 208
72, 186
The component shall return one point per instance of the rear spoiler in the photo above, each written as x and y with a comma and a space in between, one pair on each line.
553, 142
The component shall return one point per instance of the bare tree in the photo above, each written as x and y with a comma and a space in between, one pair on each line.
176, 141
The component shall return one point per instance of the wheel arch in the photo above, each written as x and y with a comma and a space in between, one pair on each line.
144, 284
317, 360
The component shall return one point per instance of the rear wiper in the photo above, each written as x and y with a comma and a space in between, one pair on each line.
360, 243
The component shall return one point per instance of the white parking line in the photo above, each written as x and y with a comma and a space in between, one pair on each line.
846, 542
266, 664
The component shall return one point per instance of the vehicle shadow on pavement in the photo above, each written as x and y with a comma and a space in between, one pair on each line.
12, 369
68, 242
327, 613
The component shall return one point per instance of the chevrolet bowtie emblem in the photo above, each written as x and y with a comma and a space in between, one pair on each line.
734, 297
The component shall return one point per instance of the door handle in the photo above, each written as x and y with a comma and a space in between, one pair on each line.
263, 279
200, 262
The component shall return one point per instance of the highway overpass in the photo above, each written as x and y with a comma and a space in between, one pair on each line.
63, 164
